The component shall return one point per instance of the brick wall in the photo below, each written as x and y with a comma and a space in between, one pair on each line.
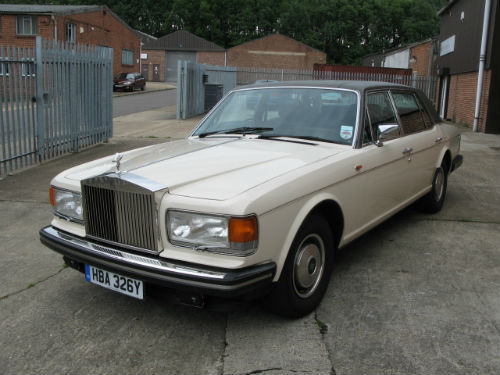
101, 28
419, 58
98, 28
212, 58
155, 57
8, 33
275, 51
462, 98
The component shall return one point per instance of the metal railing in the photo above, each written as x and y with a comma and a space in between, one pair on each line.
55, 98
191, 90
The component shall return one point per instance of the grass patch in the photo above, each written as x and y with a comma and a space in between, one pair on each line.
323, 328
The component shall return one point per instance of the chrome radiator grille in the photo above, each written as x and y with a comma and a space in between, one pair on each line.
118, 214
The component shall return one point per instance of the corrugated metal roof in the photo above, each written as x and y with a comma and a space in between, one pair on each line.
56, 9
144, 36
182, 40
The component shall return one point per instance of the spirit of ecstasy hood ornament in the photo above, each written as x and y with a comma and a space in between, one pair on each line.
116, 159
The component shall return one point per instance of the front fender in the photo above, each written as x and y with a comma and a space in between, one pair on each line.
298, 211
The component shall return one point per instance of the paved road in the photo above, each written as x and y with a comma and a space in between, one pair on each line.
140, 102
417, 295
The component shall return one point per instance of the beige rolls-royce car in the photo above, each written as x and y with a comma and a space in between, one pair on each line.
256, 201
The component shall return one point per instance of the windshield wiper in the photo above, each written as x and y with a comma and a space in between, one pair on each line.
308, 138
241, 130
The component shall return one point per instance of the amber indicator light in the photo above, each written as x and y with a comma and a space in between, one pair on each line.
52, 196
243, 229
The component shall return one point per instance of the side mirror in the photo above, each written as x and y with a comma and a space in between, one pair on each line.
386, 132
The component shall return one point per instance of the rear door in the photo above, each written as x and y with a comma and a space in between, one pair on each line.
422, 139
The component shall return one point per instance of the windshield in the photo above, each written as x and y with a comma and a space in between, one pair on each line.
125, 76
309, 113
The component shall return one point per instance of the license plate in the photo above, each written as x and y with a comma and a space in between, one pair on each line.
118, 283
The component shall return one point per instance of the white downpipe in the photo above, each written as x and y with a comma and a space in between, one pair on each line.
482, 58
55, 27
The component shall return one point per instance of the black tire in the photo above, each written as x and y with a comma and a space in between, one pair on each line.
143, 87
433, 201
307, 270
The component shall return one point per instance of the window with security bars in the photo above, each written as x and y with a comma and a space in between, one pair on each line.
127, 57
28, 69
71, 32
26, 25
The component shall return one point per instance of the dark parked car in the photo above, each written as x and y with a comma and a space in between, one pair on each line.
129, 82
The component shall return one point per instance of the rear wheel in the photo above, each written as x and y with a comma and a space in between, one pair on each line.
307, 270
433, 201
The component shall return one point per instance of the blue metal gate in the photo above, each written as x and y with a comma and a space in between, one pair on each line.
55, 98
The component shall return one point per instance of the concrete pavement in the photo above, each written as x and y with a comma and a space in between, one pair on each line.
417, 295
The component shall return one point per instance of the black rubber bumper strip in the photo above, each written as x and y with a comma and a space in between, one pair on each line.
172, 274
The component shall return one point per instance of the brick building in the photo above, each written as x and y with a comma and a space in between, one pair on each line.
420, 57
160, 56
275, 51
88, 25
458, 64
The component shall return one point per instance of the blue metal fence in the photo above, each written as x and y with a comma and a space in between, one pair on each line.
191, 90
55, 98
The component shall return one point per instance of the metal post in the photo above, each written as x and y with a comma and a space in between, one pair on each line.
40, 137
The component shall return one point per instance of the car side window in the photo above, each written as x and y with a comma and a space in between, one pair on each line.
409, 112
427, 118
382, 117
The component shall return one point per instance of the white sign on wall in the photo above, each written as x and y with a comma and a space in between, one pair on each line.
447, 46
144, 56
398, 60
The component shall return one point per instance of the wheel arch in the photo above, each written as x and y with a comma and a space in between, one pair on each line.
445, 157
324, 205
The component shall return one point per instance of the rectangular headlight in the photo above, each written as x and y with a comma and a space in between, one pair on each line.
67, 204
216, 233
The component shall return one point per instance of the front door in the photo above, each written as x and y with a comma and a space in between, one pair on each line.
145, 71
156, 72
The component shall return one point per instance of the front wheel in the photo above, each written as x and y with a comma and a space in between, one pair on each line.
306, 272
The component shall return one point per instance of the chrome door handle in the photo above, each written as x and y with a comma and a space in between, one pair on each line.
407, 150
439, 139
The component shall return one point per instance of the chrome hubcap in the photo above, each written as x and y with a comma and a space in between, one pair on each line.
309, 265
439, 184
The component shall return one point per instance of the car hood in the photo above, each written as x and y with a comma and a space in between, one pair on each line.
211, 168
122, 80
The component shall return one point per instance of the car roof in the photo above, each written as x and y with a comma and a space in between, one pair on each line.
360, 86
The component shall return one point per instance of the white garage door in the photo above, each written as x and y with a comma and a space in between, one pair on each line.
172, 58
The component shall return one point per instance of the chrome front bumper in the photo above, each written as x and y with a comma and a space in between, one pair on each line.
153, 269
